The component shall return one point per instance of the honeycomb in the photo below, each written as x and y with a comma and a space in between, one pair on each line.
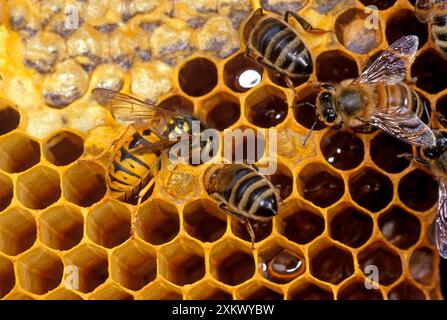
348, 201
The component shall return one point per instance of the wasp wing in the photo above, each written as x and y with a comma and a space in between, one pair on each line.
391, 66
441, 220
156, 147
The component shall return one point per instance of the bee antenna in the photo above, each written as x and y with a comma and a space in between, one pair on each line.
306, 139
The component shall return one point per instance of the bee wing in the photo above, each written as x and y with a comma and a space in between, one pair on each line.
391, 66
404, 124
441, 220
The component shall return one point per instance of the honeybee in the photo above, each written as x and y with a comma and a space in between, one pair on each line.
378, 98
243, 193
137, 151
271, 41
434, 12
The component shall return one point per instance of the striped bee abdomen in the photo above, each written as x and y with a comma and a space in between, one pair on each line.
402, 95
439, 30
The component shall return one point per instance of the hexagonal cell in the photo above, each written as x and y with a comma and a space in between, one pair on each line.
63, 148
238, 145
385, 151
261, 229
303, 111
342, 149
257, 291
353, 31
18, 153
405, 291
7, 279
222, 110
300, 224
387, 262
208, 291
178, 103
159, 290
356, 290
282, 179
17, 231
400, 227
266, 107
157, 222
110, 291
351, 226
335, 66
371, 189
61, 227
6, 191
39, 187
203, 221
196, 86
182, 262
39, 271
331, 264
108, 224
422, 265
133, 265
418, 190
380, 4
9, 117
92, 263
310, 291
404, 23
320, 185
62, 294
231, 263
235, 67
84, 183
429, 69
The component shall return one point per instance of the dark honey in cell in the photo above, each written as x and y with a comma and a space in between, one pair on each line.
283, 267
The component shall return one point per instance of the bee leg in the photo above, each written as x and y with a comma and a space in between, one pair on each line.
242, 220
441, 118
412, 157
306, 25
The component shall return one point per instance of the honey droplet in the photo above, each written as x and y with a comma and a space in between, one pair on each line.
283, 267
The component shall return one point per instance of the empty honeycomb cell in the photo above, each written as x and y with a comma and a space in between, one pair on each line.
386, 261
235, 67
61, 227
282, 179
300, 224
84, 183
63, 148
304, 110
406, 291
9, 117
17, 231
7, 279
108, 224
422, 265
400, 227
261, 229
342, 149
429, 71
63, 294
196, 86
208, 291
231, 263
418, 190
157, 222
182, 262
310, 291
203, 221
320, 185
335, 66
178, 103
356, 290
331, 264
38, 188
222, 110
110, 291
371, 189
266, 107
159, 290
441, 108
18, 153
6, 191
385, 151
355, 31
39, 271
380, 4
257, 291
350, 226
404, 23
238, 145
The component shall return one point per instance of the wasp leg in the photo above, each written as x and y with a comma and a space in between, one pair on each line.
306, 25
243, 220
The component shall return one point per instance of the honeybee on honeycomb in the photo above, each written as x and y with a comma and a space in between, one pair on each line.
435, 13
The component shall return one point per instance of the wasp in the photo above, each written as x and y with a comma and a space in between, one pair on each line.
271, 41
379, 98
243, 193
435, 13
